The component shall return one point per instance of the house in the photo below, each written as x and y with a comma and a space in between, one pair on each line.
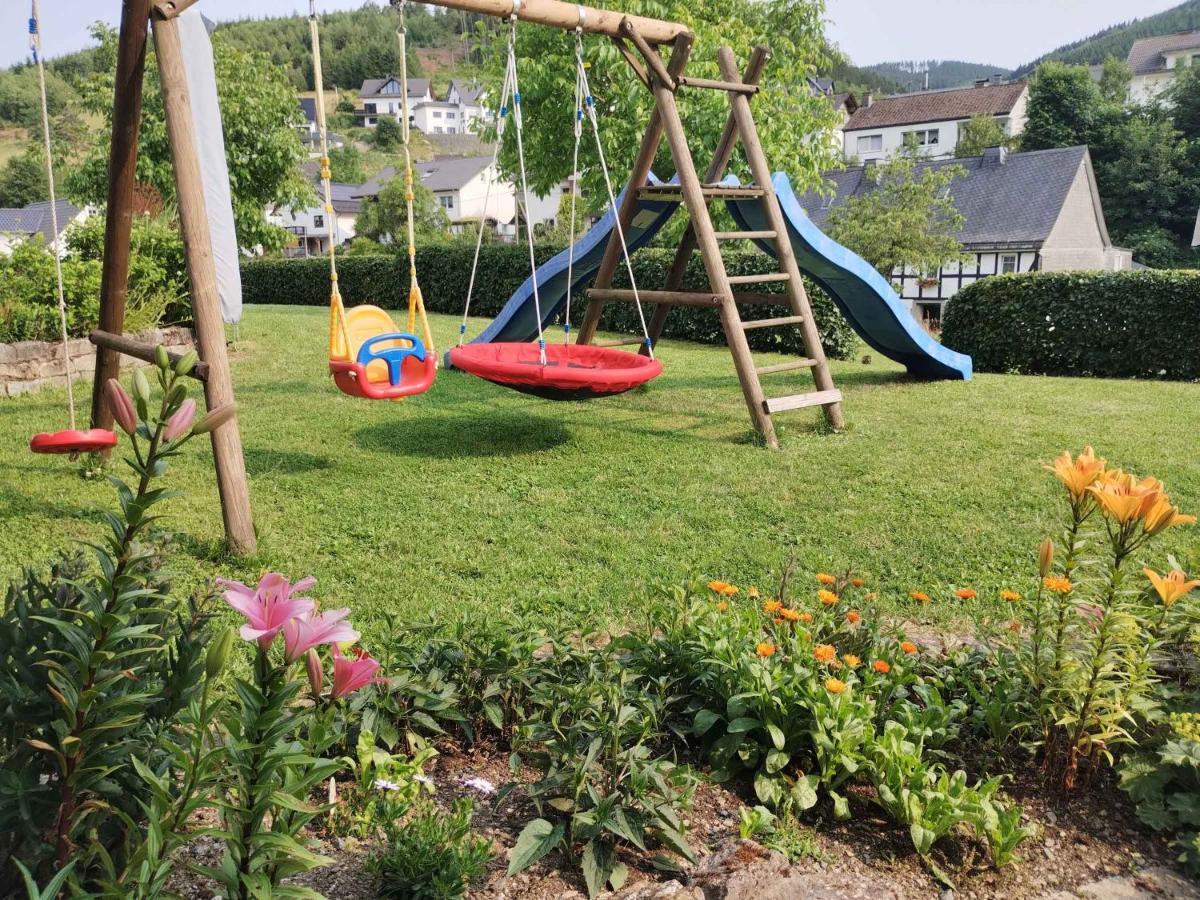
437, 117
931, 119
381, 97
460, 186
1154, 62
844, 103
470, 100
310, 133
18, 225
1022, 212
310, 226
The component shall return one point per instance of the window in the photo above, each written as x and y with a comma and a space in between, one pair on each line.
1008, 263
925, 138
451, 115
870, 143
390, 88
318, 221
437, 129
369, 107
437, 113
447, 201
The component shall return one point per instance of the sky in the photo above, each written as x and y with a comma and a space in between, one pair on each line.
997, 32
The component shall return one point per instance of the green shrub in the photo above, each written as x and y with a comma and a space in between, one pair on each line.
1165, 785
445, 271
431, 855
1106, 324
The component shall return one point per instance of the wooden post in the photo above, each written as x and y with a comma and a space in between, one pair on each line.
206, 302
716, 168
641, 170
759, 167
127, 346
118, 222
568, 17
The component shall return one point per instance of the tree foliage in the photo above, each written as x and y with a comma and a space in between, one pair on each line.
791, 121
384, 217
259, 115
981, 133
23, 180
1065, 107
908, 220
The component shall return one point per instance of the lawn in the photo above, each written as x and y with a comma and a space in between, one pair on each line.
475, 500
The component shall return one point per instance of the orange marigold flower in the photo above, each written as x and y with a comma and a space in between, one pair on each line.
772, 606
834, 685
908, 647
1172, 586
805, 618
790, 614
1010, 596
853, 617
778, 620
829, 598
1077, 474
765, 649
965, 594
826, 578
722, 587
881, 666
919, 596
824, 652
722, 606
851, 660
857, 582
1057, 584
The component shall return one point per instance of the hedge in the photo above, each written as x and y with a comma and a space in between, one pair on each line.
1133, 324
445, 270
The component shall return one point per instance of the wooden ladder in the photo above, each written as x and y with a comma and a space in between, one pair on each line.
726, 291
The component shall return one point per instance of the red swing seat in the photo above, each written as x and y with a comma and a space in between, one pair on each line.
73, 441
571, 372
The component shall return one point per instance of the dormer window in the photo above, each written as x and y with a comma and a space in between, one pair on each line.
390, 88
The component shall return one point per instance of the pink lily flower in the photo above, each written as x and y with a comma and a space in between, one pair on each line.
309, 630
180, 421
352, 672
268, 607
121, 405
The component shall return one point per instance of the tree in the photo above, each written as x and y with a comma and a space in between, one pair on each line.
1183, 102
346, 165
559, 234
1114, 80
787, 113
23, 180
1065, 106
982, 133
259, 115
908, 220
388, 134
383, 217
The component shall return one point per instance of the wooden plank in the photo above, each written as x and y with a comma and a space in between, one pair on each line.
206, 302
676, 298
567, 16
623, 342
738, 87
744, 235
797, 296
767, 278
801, 401
649, 54
168, 9
122, 176
634, 63
673, 191
755, 324
787, 366
119, 343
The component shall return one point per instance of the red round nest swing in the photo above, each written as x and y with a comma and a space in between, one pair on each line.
571, 372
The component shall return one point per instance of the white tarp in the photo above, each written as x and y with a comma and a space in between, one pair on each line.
210, 145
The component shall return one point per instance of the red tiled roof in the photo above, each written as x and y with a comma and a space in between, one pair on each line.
937, 106
1146, 55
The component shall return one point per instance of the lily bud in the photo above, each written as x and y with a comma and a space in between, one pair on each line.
215, 418
316, 673
179, 423
178, 395
141, 392
121, 406
161, 359
186, 363
1045, 557
218, 653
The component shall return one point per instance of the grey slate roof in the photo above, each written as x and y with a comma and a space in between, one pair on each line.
468, 93
417, 87
35, 219
449, 173
1146, 55
308, 105
1014, 202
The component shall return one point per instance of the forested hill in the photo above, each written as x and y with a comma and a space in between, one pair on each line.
943, 73
1117, 40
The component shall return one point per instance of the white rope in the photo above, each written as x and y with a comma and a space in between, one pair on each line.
578, 125
35, 47
326, 175
517, 123
590, 105
406, 134
501, 117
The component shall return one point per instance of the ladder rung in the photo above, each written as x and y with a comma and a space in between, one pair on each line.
758, 298
787, 366
759, 279
771, 323
624, 342
800, 401
744, 235
672, 298
708, 190
736, 87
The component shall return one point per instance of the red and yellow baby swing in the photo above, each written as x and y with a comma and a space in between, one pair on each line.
369, 358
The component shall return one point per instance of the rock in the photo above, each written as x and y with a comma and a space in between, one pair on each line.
745, 870
1158, 883
652, 891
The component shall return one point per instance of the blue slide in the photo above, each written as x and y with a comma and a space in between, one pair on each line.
864, 296
517, 321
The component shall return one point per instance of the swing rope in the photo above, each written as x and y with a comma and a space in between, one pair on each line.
35, 47
416, 302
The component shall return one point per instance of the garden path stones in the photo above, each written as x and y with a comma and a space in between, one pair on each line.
1158, 883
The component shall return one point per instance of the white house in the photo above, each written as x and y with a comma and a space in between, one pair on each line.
459, 113
437, 117
460, 186
931, 119
381, 97
1022, 212
1155, 61
310, 134
20, 224
470, 101
310, 225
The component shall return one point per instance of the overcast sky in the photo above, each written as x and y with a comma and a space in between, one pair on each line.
1000, 32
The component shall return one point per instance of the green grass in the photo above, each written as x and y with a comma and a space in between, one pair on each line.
476, 499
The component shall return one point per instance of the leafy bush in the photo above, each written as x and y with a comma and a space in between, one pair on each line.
1165, 785
1105, 324
445, 272
431, 855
